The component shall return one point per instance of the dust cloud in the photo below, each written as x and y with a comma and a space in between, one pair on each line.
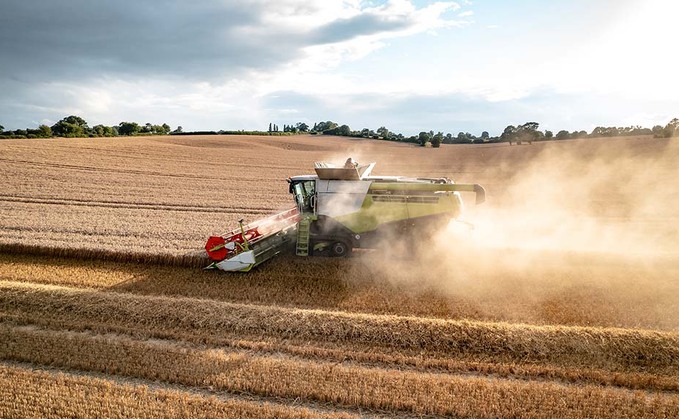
585, 234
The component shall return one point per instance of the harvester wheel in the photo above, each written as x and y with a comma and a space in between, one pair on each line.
340, 249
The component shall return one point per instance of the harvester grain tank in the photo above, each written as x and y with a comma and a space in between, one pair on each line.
341, 208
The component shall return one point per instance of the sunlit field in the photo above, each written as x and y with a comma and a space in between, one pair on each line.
556, 297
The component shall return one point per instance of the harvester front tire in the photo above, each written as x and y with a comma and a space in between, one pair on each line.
340, 249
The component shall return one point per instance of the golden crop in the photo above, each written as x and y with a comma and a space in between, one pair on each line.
563, 304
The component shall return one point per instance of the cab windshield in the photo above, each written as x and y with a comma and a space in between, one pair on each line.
304, 192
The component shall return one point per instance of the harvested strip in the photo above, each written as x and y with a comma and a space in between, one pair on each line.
35, 393
375, 358
619, 350
132, 205
359, 285
346, 385
194, 260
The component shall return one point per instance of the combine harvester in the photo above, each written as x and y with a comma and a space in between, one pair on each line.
339, 209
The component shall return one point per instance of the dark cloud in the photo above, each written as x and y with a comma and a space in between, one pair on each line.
79, 38
365, 24
72, 39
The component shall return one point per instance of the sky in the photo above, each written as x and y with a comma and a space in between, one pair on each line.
409, 66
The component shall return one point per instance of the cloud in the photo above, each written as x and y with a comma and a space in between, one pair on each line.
200, 40
79, 56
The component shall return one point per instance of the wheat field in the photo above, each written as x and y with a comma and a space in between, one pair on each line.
561, 301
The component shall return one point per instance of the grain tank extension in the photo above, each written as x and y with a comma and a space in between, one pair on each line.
341, 208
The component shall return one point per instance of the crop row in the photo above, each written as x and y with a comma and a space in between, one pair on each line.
194, 260
132, 205
30, 392
341, 384
618, 350
359, 284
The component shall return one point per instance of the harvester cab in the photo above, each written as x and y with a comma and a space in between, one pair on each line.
341, 208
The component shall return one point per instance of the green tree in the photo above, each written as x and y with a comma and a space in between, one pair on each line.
462, 137
302, 127
341, 130
147, 128
528, 132
2, 129
44, 131
509, 134
128, 128
99, 130
383, 132
549, 135
367, 133
70, 127
437, 139
423, 138
325, 126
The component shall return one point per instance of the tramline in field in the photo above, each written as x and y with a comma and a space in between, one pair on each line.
341, 208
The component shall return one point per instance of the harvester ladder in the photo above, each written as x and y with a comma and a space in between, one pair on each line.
303, 227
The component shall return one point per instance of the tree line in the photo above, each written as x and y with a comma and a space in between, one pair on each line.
75, 126
527, 132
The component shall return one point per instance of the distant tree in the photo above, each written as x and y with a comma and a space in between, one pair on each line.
44, 131
302, 127
671, 129
423, 138
325, 126
166, 129
656, 130
71, 126
383, 132
179, 130
128, 128
579, 134
549, 135
509, 133
2, 129
448, 139
562, 135
147, 128
367, 133
341, 130
485, 136
528, 132
98, 130
270, 127
605, 132
437, 139
463, 137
